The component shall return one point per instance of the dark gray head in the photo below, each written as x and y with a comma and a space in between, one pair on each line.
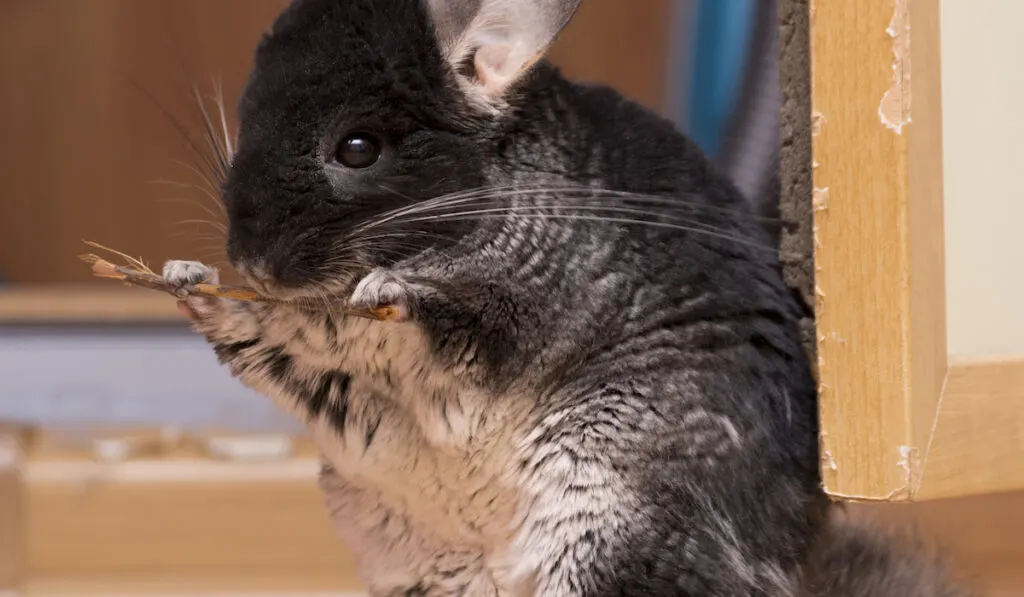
358, 107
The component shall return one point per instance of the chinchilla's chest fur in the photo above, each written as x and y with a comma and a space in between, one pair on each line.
621, 423
421, 477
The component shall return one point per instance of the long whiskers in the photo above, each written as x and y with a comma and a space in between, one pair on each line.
215, 225
470, 215
552, 195
569, 203
218, 140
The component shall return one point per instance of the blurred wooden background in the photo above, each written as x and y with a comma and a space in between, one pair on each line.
92, 92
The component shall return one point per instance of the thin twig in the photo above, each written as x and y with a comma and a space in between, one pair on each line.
137, 273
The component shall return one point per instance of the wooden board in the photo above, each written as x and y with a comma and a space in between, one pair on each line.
982, 536
101, 304
880, 309
978, 446
167, 518
899, 422
176, 526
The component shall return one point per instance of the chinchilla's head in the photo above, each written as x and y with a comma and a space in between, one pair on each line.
357, 108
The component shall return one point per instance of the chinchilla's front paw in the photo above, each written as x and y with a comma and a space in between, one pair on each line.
182, 276
382, 289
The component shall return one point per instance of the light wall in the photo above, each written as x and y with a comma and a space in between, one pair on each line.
983, 128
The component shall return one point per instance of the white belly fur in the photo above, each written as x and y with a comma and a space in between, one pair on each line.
434, 495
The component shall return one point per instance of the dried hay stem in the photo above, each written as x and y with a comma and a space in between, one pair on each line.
137, 273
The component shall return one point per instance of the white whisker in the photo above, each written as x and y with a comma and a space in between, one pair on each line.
626, 221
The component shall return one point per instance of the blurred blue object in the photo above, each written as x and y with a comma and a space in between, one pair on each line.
723, 91
721, 30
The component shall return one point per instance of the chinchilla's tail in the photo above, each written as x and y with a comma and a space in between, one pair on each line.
853, 559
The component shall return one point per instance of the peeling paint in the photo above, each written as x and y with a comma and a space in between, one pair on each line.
910, 462
817, 121
830, 462
894, 109
834, 336
819, 202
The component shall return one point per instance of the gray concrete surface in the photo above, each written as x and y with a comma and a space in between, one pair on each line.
797, 243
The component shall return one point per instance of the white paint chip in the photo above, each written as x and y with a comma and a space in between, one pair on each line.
894, 109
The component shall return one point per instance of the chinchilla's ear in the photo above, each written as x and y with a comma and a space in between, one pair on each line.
501, 39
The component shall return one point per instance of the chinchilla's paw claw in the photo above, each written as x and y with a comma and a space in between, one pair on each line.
182, 275
379, 289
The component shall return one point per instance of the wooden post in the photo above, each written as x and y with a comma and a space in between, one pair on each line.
880, 295
899, 421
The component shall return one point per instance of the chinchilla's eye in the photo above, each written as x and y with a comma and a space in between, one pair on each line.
358, 150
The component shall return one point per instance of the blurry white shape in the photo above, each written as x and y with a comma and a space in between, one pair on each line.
273, 447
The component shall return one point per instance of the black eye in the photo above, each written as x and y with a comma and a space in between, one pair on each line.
358, 150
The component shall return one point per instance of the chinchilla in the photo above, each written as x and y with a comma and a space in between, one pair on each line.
594, 384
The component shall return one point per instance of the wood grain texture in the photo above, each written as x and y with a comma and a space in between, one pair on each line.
176, 534
982, 536
878, 243
979, 434
107, 303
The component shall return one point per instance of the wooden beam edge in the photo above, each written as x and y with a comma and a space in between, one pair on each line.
926, 236
862, 259
978, 442
223, 526
85, 305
